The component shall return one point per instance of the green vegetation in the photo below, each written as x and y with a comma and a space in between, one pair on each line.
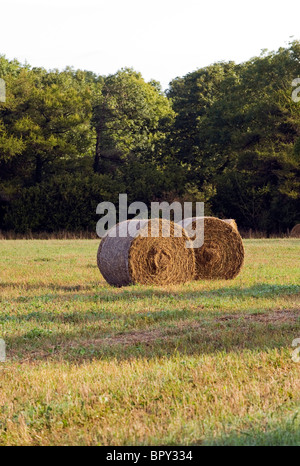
227, 134
196, 364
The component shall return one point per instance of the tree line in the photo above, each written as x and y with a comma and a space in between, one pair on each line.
227, 134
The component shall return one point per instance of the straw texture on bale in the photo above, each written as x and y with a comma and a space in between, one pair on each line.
222, 254
295, 233
146, 256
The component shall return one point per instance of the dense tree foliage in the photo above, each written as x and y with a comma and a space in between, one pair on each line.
245, 137
227, 134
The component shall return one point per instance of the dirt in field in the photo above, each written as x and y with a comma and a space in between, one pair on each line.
273, 317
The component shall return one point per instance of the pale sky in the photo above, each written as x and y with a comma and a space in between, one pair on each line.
160, 38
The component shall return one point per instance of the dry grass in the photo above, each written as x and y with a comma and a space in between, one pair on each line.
201, 363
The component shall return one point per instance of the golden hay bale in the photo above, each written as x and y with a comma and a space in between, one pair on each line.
295, 233
231, 222
222, 254
131, 257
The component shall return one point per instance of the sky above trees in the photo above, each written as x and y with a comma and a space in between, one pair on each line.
162, 39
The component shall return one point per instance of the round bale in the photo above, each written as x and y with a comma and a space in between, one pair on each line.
222, 254
148, 252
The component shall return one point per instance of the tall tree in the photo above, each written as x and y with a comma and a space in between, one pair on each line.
129, 117
45, 119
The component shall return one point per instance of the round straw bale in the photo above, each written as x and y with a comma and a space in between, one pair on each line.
295, 233
140, 251
222, 254
231, 222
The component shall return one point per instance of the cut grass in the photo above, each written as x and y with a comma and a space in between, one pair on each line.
196, 364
